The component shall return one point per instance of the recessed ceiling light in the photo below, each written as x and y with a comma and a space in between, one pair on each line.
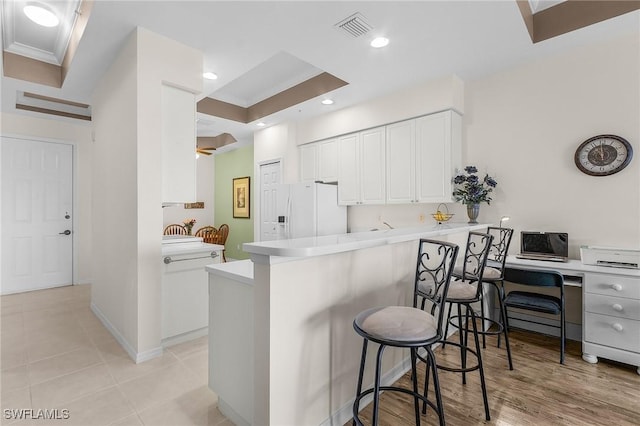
210, 75
379, 42
260, 124
41, 16
327, 102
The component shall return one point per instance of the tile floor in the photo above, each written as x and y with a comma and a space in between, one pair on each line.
55, 354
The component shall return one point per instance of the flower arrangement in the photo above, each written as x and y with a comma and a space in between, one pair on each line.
469, 189
188, 224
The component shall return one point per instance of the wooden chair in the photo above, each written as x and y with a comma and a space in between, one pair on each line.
175, 229
207, 233
221, 237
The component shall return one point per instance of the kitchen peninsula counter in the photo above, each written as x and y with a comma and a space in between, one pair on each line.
294, 319
331, 244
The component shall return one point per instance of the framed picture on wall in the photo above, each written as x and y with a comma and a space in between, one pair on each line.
241, 197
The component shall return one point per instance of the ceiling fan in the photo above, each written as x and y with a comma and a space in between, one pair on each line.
205, 151
211, 143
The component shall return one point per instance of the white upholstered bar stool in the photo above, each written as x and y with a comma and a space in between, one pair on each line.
409, 327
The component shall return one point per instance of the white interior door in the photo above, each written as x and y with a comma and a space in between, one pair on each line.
37, 224
269, 181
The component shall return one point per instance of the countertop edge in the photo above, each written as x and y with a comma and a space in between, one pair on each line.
240, 270
320, 246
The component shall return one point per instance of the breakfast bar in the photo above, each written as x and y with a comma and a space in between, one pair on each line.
305, 294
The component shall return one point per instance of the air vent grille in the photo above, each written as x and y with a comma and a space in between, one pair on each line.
355, 25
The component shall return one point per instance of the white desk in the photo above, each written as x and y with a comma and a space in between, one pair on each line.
610, 311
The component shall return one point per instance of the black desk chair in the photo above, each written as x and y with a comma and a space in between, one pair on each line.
535, 301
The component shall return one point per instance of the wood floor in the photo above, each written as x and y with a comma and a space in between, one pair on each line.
539, 391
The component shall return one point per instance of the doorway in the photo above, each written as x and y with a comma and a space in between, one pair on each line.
269, 180
37, 215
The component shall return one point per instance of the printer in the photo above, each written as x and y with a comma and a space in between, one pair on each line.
610, 256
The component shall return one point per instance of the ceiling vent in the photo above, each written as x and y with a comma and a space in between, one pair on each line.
355, 25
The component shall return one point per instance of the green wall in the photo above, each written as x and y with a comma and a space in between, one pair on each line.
230, 165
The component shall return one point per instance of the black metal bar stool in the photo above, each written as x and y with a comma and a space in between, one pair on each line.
493, 274
465, 291
409, 327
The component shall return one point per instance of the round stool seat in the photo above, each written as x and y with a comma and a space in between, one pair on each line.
401, 324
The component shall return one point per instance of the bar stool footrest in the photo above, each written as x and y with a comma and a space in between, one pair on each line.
460, 369
465, 327
356, 402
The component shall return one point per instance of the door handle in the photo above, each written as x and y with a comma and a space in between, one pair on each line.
67, 232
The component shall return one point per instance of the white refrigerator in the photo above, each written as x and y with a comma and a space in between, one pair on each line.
309, 209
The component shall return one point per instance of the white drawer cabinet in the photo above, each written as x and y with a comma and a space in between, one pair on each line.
611, 317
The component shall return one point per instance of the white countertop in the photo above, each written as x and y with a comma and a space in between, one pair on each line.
238, 270
330, 244
572, 264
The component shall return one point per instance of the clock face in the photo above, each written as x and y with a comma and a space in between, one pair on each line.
603, 155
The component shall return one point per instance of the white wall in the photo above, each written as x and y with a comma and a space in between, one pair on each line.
77, 133
205, 190
115, 197
426, 98
523, 126
127, 185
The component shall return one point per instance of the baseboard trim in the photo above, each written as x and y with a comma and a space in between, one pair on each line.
184, 337
137, 357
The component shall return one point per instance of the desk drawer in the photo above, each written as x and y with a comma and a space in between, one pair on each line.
612, 285
618, 333
612, 306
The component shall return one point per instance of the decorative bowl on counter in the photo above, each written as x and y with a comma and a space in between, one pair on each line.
442, 216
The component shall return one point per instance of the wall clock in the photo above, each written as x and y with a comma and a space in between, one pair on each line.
603, 155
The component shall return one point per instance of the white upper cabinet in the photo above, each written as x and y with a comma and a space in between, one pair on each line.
422, 156
328, 160
309, 162
438, 156
401, 163
319, 161
178, 145
361, 167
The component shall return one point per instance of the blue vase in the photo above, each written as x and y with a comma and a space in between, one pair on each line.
472, 211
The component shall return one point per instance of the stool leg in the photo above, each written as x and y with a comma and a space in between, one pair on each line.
436, 384
463, 351
414, 374
363, 357
505, 330
376, 386
446, 327
480, 367
429, 362
484, 339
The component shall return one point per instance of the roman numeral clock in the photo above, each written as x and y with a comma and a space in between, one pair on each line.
603, 155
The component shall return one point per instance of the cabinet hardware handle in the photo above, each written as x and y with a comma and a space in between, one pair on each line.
617, 307
167, 260
617, 327
616, 287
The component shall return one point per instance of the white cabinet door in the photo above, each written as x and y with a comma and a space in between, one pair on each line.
309, 162
438, 154
401, 162
328, 160
348, 170
178, 145
372, 166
